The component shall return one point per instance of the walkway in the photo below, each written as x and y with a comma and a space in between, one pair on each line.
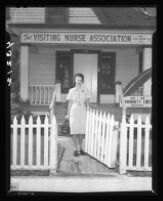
69, 164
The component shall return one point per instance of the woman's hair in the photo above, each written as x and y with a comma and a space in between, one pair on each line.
79, 75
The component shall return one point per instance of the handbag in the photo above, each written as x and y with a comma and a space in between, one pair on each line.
65, 128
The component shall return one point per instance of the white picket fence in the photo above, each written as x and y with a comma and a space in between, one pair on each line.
101, 140
34, 144
135, 145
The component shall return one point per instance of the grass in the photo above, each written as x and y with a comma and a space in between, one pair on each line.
139, 173
29, 172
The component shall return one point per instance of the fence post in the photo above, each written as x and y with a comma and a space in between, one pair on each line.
53, 146
123, 146
58, 92
87, 131
111, 124
147, 143
14, 144
52, 104
92, 133
117, 89
22, 142
114, 148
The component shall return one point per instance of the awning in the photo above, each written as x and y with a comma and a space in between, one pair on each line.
137, 82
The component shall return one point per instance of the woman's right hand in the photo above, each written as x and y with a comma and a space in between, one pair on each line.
67, 116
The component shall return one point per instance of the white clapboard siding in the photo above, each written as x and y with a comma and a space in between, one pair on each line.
143, 145
27, 15
126, 61
30, 126
99, 137
83, 15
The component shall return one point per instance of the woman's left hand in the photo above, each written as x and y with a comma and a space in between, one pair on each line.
67, 116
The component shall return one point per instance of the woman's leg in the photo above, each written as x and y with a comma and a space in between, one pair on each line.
80, 139
76, 143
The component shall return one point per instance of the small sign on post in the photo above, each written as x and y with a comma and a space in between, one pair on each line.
138, 101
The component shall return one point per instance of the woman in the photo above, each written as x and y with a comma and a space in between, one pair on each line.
78, 100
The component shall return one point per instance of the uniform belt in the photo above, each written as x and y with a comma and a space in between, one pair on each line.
79, 104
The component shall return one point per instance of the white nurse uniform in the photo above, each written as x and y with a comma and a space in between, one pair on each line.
78, 109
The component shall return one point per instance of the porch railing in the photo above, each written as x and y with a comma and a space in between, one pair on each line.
52, 104
40, 94
101, 137
135, 145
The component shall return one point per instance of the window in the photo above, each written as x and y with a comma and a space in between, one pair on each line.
64, 71
56, 15
107, 73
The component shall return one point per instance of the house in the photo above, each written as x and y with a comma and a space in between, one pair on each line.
106, 44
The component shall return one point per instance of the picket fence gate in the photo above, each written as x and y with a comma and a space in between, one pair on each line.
135, 145
34, 145
101, 137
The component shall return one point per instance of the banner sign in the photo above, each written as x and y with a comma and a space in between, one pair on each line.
138, 101
87, 38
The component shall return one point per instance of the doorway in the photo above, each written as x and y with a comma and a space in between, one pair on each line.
87, 63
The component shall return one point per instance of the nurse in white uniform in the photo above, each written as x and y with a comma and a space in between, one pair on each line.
78, 100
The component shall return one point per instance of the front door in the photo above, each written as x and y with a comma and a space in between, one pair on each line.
87, 65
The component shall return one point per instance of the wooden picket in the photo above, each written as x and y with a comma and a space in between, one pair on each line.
100, 135
25, 140
133, 143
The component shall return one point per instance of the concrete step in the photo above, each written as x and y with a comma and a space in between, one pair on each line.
82, 183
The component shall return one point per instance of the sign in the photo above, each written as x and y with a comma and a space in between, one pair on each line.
87, 38
138, 101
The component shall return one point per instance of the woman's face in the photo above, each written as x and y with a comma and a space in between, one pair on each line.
78, 81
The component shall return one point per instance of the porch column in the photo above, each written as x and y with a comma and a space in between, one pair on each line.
147, 63
24, 53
